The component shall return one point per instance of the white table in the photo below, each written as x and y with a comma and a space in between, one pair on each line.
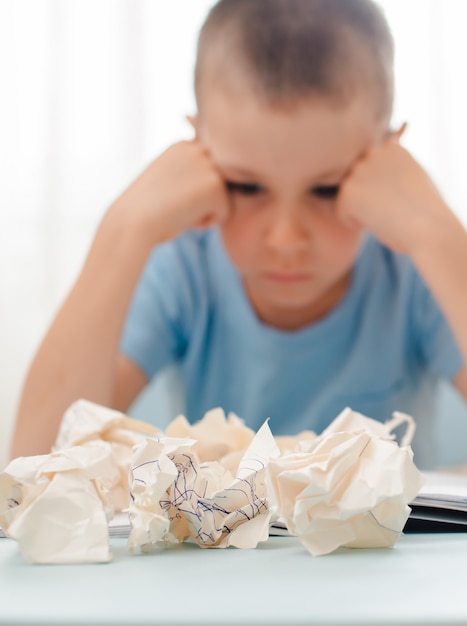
422, 580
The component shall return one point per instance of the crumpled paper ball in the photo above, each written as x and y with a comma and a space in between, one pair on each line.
293, 443
217, 437
57, 506
85, 422
348, 487
175, 496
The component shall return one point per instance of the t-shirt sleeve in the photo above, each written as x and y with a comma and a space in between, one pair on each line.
436, 343
156, 330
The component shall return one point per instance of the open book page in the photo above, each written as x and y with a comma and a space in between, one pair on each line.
444, 489
120, 526
441, 505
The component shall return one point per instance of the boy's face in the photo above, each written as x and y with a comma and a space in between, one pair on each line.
282, 168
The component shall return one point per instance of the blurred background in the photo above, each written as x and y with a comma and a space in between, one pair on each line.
92, 90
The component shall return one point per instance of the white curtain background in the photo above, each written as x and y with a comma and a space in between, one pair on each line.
92, 90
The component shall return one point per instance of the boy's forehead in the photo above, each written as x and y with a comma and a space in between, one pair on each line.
246, 136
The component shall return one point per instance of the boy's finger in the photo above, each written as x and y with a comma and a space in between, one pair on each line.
226, 209
348, 220
216, 217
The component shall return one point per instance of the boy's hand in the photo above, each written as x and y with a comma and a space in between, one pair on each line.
179, 190
391, 195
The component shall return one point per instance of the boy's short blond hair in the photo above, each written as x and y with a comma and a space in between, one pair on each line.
285, 50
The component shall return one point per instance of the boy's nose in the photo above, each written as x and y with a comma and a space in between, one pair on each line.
287, 234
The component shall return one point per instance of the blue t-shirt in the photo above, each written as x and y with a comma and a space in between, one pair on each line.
382, 348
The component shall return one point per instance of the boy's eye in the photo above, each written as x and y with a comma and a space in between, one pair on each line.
327, 192
246, 189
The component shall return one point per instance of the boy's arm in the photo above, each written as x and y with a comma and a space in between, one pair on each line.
460, 382
130, 380
79, 353
78, 357
391, 195
442, 262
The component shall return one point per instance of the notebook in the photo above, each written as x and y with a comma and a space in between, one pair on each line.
441, 505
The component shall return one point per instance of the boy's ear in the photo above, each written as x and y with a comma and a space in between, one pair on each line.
193, 122
397, 134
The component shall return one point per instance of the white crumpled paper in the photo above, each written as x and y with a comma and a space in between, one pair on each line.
57, 505
292, 443
217, 438
348, 487
176, 496
215, 483
86, 421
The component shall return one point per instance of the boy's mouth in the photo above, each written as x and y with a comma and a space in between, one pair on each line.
288, 278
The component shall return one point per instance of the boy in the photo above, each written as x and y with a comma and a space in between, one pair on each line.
301, 261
